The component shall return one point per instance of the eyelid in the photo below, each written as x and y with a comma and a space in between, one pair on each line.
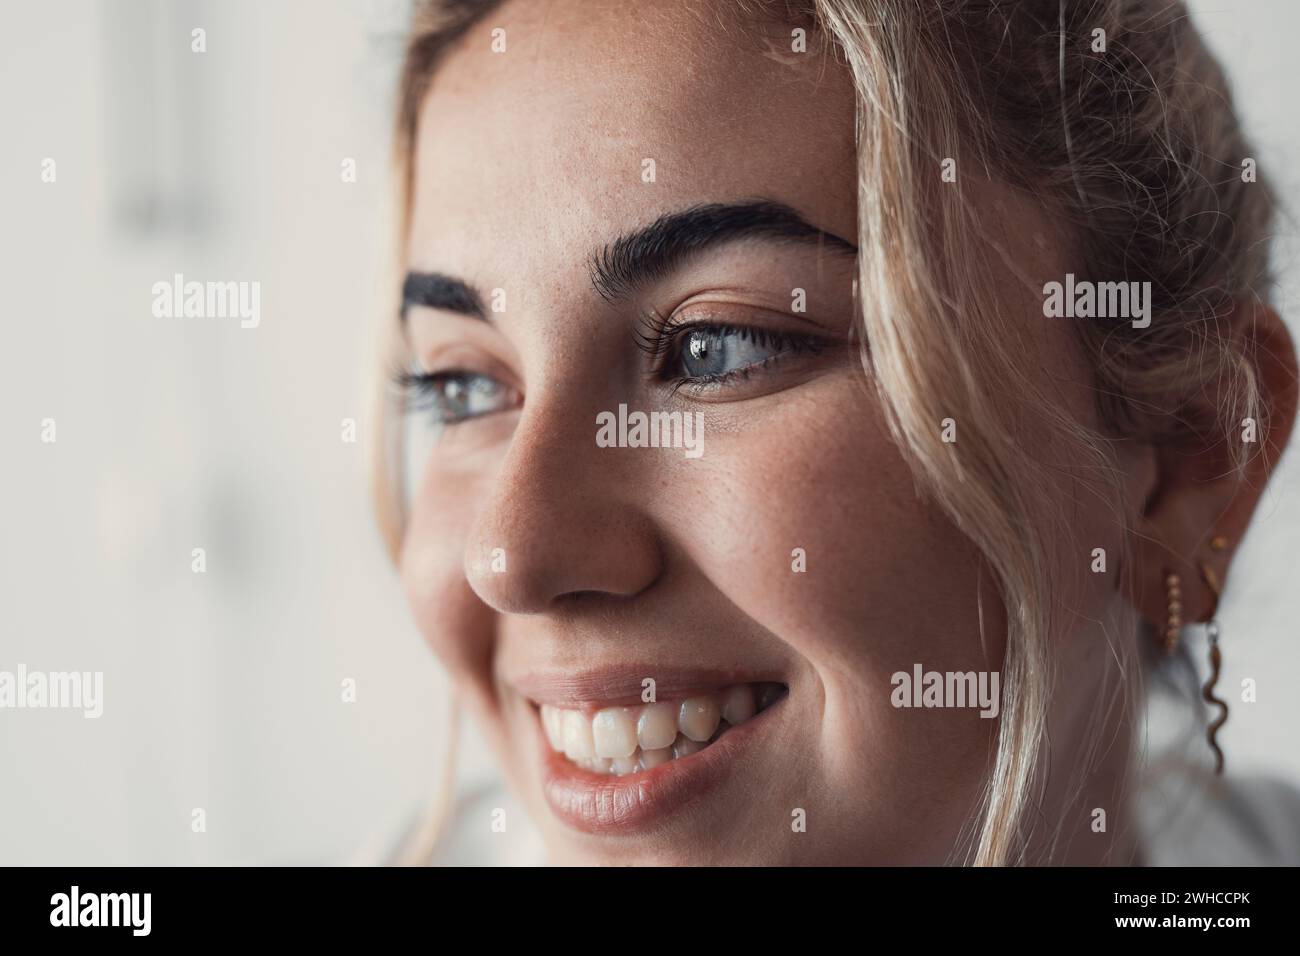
437, 341
822, 318
461, 357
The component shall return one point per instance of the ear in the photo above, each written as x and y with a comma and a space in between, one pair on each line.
1200, 503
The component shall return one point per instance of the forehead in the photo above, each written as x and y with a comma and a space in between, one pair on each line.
526, 154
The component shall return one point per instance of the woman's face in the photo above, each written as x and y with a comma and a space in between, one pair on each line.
557, 572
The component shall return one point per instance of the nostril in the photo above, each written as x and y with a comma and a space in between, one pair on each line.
590, 601
581, 597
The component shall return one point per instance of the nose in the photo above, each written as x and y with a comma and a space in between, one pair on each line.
562, 518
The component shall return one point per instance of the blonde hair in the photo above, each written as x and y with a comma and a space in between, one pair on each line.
1138, 151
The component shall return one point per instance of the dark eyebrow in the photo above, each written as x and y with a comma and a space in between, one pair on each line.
648, 253
437, 291
655, 250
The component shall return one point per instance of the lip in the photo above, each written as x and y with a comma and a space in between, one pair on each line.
604, 804
622, 687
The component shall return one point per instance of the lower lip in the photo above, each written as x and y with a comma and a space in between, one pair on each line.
607, 804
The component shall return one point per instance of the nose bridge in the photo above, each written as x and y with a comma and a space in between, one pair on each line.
560, 517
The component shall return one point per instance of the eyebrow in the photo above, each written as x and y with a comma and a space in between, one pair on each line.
434, 290
655, 250
648, 253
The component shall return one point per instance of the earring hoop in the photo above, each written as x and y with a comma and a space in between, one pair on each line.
1216, 659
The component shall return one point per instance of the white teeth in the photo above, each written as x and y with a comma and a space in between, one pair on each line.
578, 742
623, 740
614, 732
698, 718
656, 729
622, 765
553, 722
685, 747
737, 704
653, 758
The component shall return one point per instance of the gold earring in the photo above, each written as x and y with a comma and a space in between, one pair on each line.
1174, 618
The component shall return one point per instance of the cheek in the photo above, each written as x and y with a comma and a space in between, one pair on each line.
451, 618
812, 525
886, 582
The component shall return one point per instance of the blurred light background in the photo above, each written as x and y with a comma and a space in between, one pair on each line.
223, 689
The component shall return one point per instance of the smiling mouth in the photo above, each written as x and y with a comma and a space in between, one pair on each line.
627, 740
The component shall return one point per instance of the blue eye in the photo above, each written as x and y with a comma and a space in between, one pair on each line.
452, 397
709, 353
712, 353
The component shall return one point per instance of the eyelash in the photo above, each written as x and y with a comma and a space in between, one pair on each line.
425, 390
655, 335
659, 338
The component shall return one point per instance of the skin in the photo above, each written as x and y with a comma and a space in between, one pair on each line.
640, 559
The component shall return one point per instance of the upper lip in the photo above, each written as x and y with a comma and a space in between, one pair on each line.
624, 685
